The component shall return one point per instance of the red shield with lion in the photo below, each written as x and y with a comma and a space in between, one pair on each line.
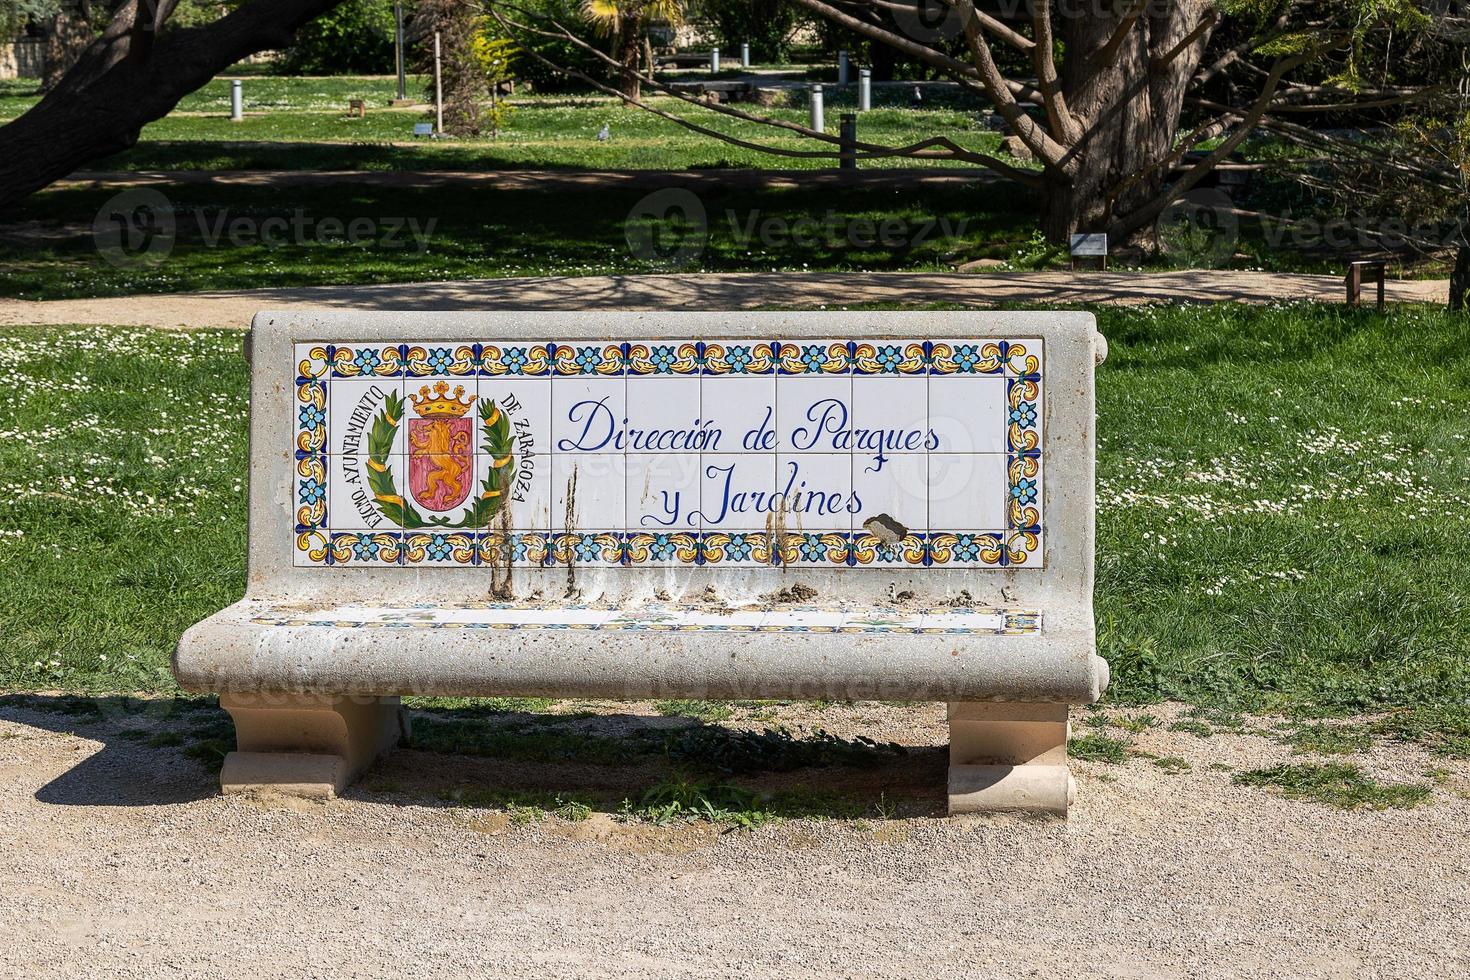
441, 447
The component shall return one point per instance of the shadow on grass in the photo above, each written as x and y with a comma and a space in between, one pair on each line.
651, 768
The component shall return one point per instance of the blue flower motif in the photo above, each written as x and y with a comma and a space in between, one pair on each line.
966, 357
813, 357
966, 548
737, 548
812, 548
889, 358
1024, 415
311, 417
662, 548
518, 548
439, 548
440, 359
365, 548
739, 359
587, 359
662, 359
312, 491
889, 552
1023, 491
367, 360
586, 548
514, 359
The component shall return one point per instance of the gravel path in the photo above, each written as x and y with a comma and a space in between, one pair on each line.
118, 860
710, 292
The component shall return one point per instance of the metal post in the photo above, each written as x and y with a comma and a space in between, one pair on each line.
865, 89
714, 59
844, 69
847, 148
745, 56
438, 91
237, 102
398, 51
817, 120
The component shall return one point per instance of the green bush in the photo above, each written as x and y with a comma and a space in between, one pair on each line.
766, 25
354, 39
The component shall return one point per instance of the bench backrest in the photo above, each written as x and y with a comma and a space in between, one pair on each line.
615, 455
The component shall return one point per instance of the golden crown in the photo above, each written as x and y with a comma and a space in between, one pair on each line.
440, 405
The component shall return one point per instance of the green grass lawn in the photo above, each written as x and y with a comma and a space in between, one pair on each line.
285, 116
1282, 508
488, 233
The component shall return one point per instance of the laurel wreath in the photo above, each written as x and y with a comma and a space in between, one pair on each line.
496, 429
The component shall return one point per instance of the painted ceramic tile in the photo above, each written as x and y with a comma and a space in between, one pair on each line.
815, 491
365, 415
967, 492
890, 357
828, 452
736, 548
589, 415
526, 404
890, 416
967, 357
815, 357
663, 358
967, 414
589, 492
892, 496
814, 414
742, 412
663, 492
739, 358
737, 491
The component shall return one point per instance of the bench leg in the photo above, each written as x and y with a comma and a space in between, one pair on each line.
307, 745
1008, 756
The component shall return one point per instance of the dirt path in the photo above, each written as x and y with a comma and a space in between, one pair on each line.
709, 292
117, 859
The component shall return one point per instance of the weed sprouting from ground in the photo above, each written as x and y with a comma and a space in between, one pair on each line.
1338, 785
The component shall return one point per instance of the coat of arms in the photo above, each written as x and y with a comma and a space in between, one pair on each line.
441, 458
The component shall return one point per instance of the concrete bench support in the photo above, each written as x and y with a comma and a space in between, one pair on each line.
1008, 756
307, 745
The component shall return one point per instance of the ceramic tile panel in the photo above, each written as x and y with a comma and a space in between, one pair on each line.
670, 451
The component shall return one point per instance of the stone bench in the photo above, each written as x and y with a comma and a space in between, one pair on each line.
863, 505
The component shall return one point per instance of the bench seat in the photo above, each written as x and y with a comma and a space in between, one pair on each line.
942, 653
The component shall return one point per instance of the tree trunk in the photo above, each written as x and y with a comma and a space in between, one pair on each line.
129, 77
66, 36
629, 51
1460, 280
1128, 113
